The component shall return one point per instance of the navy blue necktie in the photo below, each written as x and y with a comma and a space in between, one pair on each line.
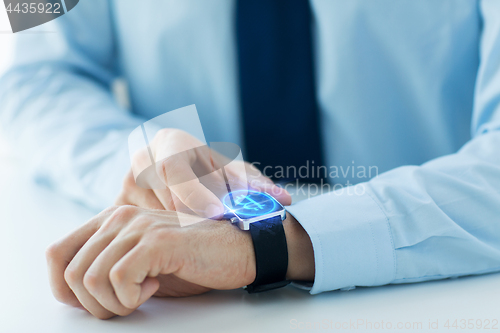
277, 87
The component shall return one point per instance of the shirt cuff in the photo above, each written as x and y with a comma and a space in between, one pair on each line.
351, 239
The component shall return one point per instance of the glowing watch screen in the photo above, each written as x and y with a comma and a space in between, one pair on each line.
250, 204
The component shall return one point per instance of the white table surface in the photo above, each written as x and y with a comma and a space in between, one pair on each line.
32, 217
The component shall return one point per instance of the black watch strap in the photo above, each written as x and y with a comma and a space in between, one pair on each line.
271, 255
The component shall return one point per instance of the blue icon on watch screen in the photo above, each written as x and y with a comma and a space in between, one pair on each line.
250, 204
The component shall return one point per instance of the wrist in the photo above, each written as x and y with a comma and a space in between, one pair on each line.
300, 251
299, 247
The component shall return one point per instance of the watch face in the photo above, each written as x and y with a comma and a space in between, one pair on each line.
251, 204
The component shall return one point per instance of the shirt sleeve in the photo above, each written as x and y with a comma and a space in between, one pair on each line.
58, 109
418, 223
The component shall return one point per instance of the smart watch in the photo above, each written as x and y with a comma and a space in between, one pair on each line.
261, 215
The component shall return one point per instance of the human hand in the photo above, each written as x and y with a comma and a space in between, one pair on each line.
116, 261
183, 190
123, 256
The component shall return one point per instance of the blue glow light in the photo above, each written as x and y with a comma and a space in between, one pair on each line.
249, 204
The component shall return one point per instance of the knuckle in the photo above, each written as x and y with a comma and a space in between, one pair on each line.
72, 276
117, 276
111, 209
135, 229
52, 252
91, 282
107, 212
142, 223
120, 216
126, 211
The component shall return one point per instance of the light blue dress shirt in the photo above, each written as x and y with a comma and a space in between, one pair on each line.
410, 87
